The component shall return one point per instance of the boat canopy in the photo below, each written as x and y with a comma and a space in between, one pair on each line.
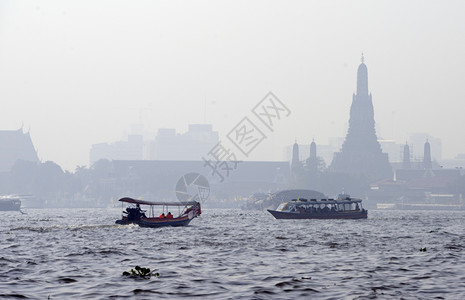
325, 201
143, 202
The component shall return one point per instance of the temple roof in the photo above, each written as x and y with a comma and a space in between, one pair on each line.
15, 145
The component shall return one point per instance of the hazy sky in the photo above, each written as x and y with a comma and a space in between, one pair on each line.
76, 73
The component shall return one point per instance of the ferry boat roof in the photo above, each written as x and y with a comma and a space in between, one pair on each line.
143, 202
326, 201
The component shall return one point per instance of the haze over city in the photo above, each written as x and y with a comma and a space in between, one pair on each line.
75, 74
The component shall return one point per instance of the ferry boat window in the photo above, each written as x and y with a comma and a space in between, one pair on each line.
281, 206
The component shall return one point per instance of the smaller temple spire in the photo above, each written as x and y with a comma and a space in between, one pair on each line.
406, 160
295, 163
295, 153
363, 58
313, 150
427, 165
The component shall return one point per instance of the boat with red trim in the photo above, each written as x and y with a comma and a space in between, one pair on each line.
344, 207
133, 214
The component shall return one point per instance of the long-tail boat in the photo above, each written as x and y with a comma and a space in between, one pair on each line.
135, 215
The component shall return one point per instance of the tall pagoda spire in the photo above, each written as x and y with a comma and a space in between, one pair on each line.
361, 153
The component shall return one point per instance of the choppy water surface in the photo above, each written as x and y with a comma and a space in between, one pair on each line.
80, 253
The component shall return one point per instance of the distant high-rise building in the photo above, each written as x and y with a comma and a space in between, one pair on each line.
132, 149
361, 152
196, 143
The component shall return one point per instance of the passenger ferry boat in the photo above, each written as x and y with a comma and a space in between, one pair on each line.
344, 207
135, 215
10, 202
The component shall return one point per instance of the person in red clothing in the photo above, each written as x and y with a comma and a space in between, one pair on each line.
162, 216
169, 215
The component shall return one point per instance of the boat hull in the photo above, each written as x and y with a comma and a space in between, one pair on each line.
330, 215
156, 223
10, 205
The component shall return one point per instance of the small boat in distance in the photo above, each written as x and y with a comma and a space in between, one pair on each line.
344, 207
135, 215
10, 202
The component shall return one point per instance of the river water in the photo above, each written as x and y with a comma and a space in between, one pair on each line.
232, 254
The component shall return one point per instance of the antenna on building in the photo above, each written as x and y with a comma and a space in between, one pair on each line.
205, 109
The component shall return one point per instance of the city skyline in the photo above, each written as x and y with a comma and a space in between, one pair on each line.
73, 84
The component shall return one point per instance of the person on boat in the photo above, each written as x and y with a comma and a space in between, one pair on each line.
141, 212
169, 215
162, 216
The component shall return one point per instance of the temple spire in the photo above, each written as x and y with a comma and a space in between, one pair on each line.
295, 154
313, 150
361, 152
362, 79
295, 163
427, 165
406, 159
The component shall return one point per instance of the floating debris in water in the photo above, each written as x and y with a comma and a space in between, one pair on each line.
141, 272
423, 249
